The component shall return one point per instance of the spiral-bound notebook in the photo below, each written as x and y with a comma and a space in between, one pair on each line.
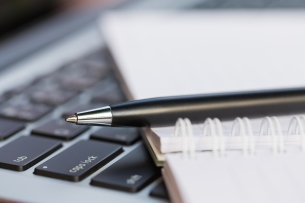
162, 141
167, 54
168, 140
251, 174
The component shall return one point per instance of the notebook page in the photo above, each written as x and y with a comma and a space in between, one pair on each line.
266, 178
196, 183
179, 53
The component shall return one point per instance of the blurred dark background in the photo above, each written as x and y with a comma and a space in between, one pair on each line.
28, 25
16, 15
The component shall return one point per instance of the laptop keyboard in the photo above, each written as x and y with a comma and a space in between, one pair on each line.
85, 84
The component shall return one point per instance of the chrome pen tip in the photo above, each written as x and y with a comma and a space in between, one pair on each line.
72, 119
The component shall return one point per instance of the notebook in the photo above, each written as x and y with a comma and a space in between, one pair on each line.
169, 53
169, 140
273, 174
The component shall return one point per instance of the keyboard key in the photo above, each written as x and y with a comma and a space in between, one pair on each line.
108, 92
26, 151
107, 84
79, 161
3, 98
99, 62
98, 68
82, 107
48, 83
78, 83
60, 129
25, 112
131, 173
9, 127
108, 97
81, 76
17, 90
160, 191
120, 135
52, 97
95, 68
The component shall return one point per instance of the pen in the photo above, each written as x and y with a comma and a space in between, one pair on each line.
164, 111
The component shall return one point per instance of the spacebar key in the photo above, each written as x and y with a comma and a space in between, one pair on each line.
79, 161
131, 173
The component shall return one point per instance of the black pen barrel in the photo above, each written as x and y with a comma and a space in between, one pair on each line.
164, 111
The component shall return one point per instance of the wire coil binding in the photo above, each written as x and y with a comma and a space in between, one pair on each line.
241, 127
298, 125
244, 126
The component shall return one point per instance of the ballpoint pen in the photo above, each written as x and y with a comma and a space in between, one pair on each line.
164, 111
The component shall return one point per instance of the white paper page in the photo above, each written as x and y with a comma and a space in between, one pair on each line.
296, 173
178, 53
277, 179
203, 181
263, 178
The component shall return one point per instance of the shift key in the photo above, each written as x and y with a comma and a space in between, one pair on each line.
79, 161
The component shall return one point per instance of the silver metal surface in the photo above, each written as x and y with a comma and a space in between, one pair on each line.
72, 119
99, 116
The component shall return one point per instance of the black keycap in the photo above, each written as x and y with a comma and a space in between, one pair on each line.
79, 161
26, 151
60, 129
42, 77
91, 68
97, 68
108, 97
25, 112
160, 191
82, 107
79, 83
48, 83
108, 92
9, 127
3, 98
52, 97
120, 135
17, 90
131, 173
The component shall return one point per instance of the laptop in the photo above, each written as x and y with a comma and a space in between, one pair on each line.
42, 158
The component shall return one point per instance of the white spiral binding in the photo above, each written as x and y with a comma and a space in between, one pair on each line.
248, 144
213, 127
187, 132
273, 125
299, 129
187, 136
217, 141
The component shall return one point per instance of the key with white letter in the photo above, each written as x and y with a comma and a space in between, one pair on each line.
131, 173
26, 151
79, 161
